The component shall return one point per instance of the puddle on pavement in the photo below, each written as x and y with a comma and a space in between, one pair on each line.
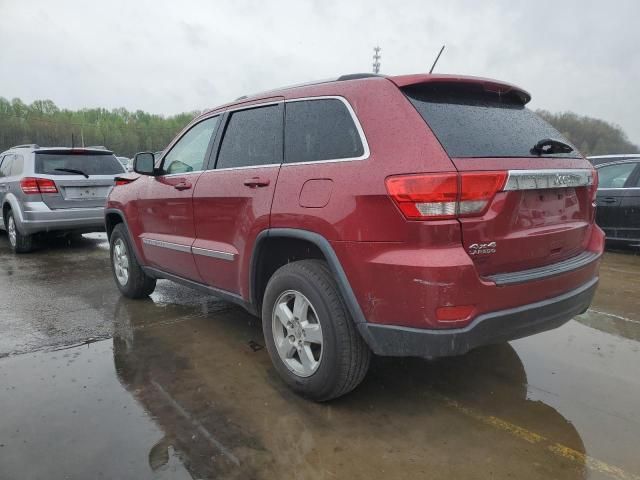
195, 398
183, 390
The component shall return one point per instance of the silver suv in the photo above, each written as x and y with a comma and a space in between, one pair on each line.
54, 189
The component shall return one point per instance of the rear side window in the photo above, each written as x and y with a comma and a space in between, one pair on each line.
5, 166
18, 165
77, 163
318, 130
471, 122
615, 176
253, 137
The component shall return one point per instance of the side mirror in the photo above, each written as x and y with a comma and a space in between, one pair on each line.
144, 163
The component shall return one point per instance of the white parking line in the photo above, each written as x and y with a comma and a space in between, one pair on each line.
613, 315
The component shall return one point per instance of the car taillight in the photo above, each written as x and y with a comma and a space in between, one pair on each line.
477, 191
594, 185
32, 185
437, 196
118, 181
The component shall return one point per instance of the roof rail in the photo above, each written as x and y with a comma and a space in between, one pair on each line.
350, 76
28, 145
357, 76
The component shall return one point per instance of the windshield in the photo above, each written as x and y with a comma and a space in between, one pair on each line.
470, 122
72, 164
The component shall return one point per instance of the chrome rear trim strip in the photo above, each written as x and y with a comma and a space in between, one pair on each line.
553, 178
213, 253
171, 246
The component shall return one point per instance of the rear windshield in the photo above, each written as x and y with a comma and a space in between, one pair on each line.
74, 163
471, 122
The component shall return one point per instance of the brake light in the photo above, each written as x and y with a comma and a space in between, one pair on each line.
444, 195
122, 181
477, 191
594, 184
34, 185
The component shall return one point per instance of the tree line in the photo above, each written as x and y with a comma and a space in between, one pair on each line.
122, 131
125, 132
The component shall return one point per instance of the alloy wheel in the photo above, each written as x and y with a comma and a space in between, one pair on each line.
121, 261
11, 229
297, 333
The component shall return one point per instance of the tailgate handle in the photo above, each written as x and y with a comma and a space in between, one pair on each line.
182, 186
256, 182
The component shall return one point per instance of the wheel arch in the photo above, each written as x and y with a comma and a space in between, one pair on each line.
113, 217
318, 247
10, 202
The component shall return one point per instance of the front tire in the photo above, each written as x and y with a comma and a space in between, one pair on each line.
129, 276
19, 242
311, 338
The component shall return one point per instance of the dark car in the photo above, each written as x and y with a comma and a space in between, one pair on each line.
418, 215
618, 200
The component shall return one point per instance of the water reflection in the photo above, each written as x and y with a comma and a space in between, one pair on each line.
226, 414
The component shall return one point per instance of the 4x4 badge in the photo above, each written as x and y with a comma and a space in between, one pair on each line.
482, 248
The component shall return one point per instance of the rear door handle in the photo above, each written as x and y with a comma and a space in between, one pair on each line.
608, 200
256, 182
182, 186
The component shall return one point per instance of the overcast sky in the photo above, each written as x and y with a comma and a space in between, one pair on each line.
174, 56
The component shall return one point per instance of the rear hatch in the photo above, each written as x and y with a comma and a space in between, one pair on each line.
83, 177
542, 213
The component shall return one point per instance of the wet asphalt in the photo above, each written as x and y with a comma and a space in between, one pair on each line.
179, 386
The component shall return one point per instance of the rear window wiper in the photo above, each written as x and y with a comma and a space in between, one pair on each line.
549, 146
71, 170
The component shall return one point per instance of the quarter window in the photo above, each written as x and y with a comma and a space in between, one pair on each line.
5, 167
253, 137
188, 154
320, 130
18, 165
615, 176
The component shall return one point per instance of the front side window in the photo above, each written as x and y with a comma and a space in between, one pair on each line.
253, 137
188, 154
317, 130
615, 176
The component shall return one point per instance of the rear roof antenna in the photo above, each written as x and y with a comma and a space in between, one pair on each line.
436, 60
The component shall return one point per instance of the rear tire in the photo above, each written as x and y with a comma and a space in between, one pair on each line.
129, 276
317, 349
19, 242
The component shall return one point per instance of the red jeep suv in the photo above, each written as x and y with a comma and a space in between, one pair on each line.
417, 215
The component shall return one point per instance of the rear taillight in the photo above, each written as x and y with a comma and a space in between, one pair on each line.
594, 185
440, 196
33, 185
119, 181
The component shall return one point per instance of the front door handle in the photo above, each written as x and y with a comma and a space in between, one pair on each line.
182, 186
256, 182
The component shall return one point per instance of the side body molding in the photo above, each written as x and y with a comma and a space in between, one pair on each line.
328, 252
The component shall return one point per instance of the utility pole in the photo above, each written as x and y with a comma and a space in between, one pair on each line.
376, 59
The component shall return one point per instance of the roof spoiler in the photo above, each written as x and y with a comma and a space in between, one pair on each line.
488, 84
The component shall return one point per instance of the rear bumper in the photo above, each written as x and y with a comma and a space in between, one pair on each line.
486, 329
36, 217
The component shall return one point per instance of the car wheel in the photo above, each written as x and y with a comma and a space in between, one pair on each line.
129, 276
311, 338
19, 242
